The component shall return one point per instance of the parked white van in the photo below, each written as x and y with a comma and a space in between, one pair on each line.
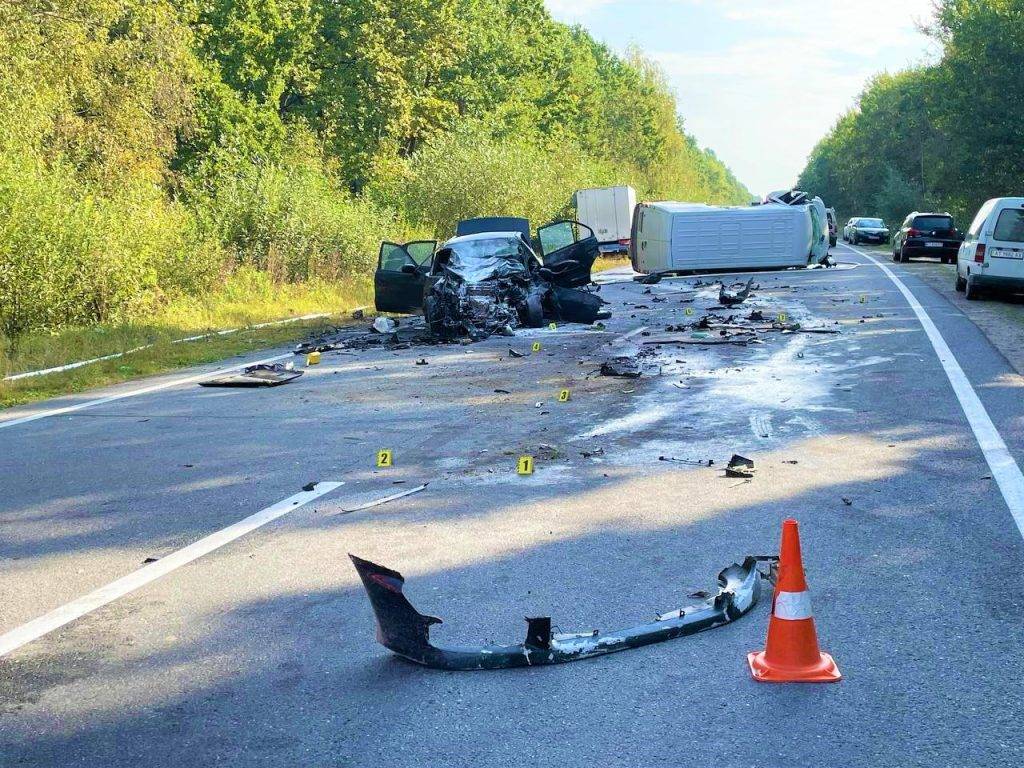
992, 253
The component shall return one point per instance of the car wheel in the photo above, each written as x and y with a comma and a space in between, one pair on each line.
903, 256
432, 316
961, 284
971, 291
854, 240
534, 311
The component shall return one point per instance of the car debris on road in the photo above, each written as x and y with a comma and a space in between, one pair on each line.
262, 375
730, 298
406, 632
740, 466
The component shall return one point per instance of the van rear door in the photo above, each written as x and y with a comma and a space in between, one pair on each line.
1005, 251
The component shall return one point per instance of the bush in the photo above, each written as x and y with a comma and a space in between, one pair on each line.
288, 217
469, 173
70, 255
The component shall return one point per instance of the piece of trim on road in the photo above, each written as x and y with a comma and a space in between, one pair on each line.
378, 502
1004, 468
143, 391
33, 630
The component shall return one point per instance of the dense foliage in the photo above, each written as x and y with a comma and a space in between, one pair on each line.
939, 137
148, 148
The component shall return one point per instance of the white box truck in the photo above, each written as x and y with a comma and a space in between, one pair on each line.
609, 212
688, 237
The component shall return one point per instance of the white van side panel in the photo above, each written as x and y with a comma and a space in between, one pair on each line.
692, 236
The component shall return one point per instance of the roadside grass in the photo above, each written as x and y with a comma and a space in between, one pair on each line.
240, 303
610, 262
245, 300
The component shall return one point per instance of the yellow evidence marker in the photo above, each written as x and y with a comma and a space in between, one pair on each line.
536, 346
783, 317
563, 396
313, 358
525, 466
384, 458
863, 299
553, 326
688, 311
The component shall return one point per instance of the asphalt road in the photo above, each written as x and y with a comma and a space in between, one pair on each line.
262, 652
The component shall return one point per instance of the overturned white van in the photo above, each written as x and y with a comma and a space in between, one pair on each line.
690, 237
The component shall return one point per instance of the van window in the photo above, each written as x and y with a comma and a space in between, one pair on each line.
1010, 226
979, 220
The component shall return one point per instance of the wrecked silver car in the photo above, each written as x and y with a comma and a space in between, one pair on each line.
489, 279
405, 631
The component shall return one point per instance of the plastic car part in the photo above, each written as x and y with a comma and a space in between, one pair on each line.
262, 375
405, 631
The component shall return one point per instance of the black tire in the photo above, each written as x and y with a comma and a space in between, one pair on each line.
855, 241
533, 311
971, 290
960, 284
430, 313
903, 256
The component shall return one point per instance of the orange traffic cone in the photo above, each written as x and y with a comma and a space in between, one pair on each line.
791, 654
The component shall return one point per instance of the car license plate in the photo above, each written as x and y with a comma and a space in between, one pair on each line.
1007, 253
933, 245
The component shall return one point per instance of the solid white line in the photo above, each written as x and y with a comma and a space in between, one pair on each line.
67, 613
115, 355
1004, 468
135, 392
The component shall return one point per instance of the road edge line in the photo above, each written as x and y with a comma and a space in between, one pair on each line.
1005, 470
26, 633
143, 391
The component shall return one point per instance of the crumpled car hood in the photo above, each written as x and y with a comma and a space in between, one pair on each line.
477, 269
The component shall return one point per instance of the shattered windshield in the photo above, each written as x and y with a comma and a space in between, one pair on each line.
486, 259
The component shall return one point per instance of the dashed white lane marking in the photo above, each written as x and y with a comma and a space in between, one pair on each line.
33, 630
133, 393
1004, 468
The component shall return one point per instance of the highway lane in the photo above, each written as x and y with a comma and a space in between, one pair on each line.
262, 652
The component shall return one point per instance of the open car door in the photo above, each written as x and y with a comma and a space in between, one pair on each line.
401, 275
568, 250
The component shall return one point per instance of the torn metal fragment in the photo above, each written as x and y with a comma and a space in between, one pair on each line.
624, 367
739, 466
405, 631
729, 298
261, 375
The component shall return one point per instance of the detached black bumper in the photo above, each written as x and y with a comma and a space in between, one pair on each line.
405, 631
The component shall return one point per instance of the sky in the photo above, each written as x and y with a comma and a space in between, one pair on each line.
761, 82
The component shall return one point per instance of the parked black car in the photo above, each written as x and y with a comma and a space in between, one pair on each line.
927, 234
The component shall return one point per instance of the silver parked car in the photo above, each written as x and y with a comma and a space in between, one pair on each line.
864, 230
